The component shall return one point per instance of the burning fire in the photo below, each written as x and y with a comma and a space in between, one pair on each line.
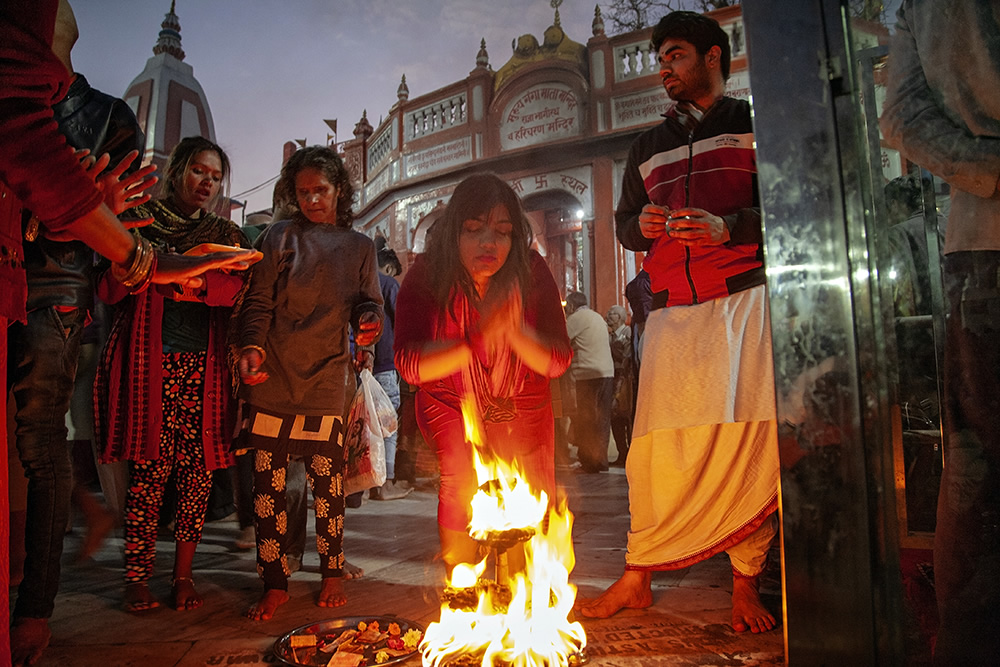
527, 624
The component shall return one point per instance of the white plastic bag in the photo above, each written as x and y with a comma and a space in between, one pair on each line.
364, 445
383, 405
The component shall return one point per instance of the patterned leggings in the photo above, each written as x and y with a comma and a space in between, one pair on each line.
271, 516
181, 452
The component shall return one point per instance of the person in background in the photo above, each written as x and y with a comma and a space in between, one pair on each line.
703, 462
163, 386
622, 405
317, 278
478, 319
593, 371
385, 372
942, 111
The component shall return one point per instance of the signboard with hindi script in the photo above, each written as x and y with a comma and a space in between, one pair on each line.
542, 113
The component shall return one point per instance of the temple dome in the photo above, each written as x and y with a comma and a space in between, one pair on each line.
167, 100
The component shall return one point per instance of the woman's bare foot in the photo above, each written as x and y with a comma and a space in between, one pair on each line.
98, 527
631, 591
332, 593
749, 612
352, 571
29, 637
267, 604
139, 598
185, 596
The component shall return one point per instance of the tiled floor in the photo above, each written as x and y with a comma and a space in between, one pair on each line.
396, 543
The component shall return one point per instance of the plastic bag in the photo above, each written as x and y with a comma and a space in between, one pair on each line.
383, 405
364, 445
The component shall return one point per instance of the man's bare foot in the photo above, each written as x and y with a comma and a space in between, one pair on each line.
332, 593
749, 612
185, 596
267, 604
139, 598
631, 591
29, 637
352, 571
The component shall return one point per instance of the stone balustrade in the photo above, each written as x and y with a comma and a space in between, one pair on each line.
379, 148
634, 60
434, 117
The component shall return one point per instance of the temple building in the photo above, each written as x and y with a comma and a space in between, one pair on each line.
555, 120
166, 97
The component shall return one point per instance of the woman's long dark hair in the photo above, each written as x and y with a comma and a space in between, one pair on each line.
326, 161
475, 197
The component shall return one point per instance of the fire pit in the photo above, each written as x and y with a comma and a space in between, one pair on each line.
520, 617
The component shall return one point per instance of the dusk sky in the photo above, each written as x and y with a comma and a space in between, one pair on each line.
274, 70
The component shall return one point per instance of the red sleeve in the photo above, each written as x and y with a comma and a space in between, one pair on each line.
416, 321
110, 290
35, 161
545, 313
221, 288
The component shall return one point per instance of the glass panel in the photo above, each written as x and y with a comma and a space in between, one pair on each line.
908, 238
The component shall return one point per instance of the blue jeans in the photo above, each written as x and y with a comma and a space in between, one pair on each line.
390, 382
967, 535
42, 368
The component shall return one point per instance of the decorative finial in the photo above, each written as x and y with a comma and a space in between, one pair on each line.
169, 40
403, 92
482, 58
363, 129
598, 24
555, 5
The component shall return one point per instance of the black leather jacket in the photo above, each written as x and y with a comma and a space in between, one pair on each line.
61, 273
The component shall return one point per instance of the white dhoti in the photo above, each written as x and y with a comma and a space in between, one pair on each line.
703, 464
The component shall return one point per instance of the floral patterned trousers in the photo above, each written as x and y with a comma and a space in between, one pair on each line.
181, 453
271, 515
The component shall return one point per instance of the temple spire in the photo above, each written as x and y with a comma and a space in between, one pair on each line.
482, 58
169, 40
598, 24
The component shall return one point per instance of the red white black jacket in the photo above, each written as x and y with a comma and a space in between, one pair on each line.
713, 167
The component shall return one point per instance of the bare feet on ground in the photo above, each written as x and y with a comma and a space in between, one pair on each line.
332, 593
29, 637
749, 612
185, 596
352, 571
631, 591
267, 604
139, 598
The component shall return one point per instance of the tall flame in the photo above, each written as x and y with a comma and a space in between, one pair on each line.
534, 629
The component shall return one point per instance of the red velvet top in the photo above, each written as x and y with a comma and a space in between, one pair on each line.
419, 319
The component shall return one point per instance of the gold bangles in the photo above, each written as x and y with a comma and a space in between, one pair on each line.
139, 274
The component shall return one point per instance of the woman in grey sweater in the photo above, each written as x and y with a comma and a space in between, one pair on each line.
317, 278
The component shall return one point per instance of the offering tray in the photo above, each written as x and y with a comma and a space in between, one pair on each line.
327, 635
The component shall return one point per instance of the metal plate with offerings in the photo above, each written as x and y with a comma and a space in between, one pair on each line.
350, 641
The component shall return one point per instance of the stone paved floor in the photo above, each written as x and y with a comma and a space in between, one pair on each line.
396, 544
